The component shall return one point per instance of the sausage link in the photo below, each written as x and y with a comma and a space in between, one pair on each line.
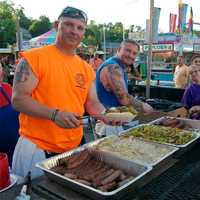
83, 182
98, 179
111, 178
180, 125
78, 161
169, 121
107, 187
72, 176
128, 179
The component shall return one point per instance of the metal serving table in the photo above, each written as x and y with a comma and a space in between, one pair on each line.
179, 181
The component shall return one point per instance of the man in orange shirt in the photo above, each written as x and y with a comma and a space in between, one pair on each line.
52, 88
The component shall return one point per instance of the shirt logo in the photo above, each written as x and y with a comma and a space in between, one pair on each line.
80, 80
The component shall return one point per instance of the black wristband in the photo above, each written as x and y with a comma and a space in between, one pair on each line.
53, 116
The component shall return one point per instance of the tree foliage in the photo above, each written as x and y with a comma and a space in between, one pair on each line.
94, 33
24, 22
7, 24
40, 26
8, 19
113, 33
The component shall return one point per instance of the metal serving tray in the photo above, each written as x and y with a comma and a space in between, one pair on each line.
165, 157
127, 166
195, 131
191, 122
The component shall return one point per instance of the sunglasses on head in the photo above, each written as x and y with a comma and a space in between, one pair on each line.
74, 13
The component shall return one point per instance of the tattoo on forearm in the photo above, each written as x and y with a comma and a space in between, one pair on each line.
22, 71
118, 85
115, 75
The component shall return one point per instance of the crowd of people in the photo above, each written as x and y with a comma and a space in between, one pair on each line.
53, 88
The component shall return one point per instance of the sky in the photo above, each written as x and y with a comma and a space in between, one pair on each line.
103, 11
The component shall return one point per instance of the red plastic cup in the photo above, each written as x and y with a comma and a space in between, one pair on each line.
4, 171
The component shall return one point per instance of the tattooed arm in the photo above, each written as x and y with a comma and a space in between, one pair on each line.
95, 108
24, 83
112, 78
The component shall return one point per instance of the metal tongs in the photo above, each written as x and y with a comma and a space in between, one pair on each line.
99, 116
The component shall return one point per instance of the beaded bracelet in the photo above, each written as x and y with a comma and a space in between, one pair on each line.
53, 116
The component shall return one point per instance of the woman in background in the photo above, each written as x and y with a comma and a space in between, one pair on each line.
191, 97
195, 60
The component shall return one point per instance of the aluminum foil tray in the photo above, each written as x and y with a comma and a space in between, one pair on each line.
138, 154
139, 171
194, 124
194, 130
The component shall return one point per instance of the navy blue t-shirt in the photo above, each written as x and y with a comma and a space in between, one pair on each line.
108, 98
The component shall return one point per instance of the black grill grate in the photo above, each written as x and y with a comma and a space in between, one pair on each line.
180, 182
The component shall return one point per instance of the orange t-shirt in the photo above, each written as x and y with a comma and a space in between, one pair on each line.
63, 84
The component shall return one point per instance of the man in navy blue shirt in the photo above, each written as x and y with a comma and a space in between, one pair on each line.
112, 79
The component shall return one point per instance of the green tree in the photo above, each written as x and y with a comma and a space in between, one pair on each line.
134, 28
7, 24
40, 26
92, 34
24, 22
116, 32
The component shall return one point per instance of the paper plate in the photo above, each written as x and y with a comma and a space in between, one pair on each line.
13, 180
123, 117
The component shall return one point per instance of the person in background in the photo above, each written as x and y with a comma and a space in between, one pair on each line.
6, 68
196, 60
53, 87
181, 74
191, 97
9, 124
133, 77
112, 81
1, 72
95, 61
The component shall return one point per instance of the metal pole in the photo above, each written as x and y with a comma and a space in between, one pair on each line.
18, 33
149, 61
123, 32
104, 42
